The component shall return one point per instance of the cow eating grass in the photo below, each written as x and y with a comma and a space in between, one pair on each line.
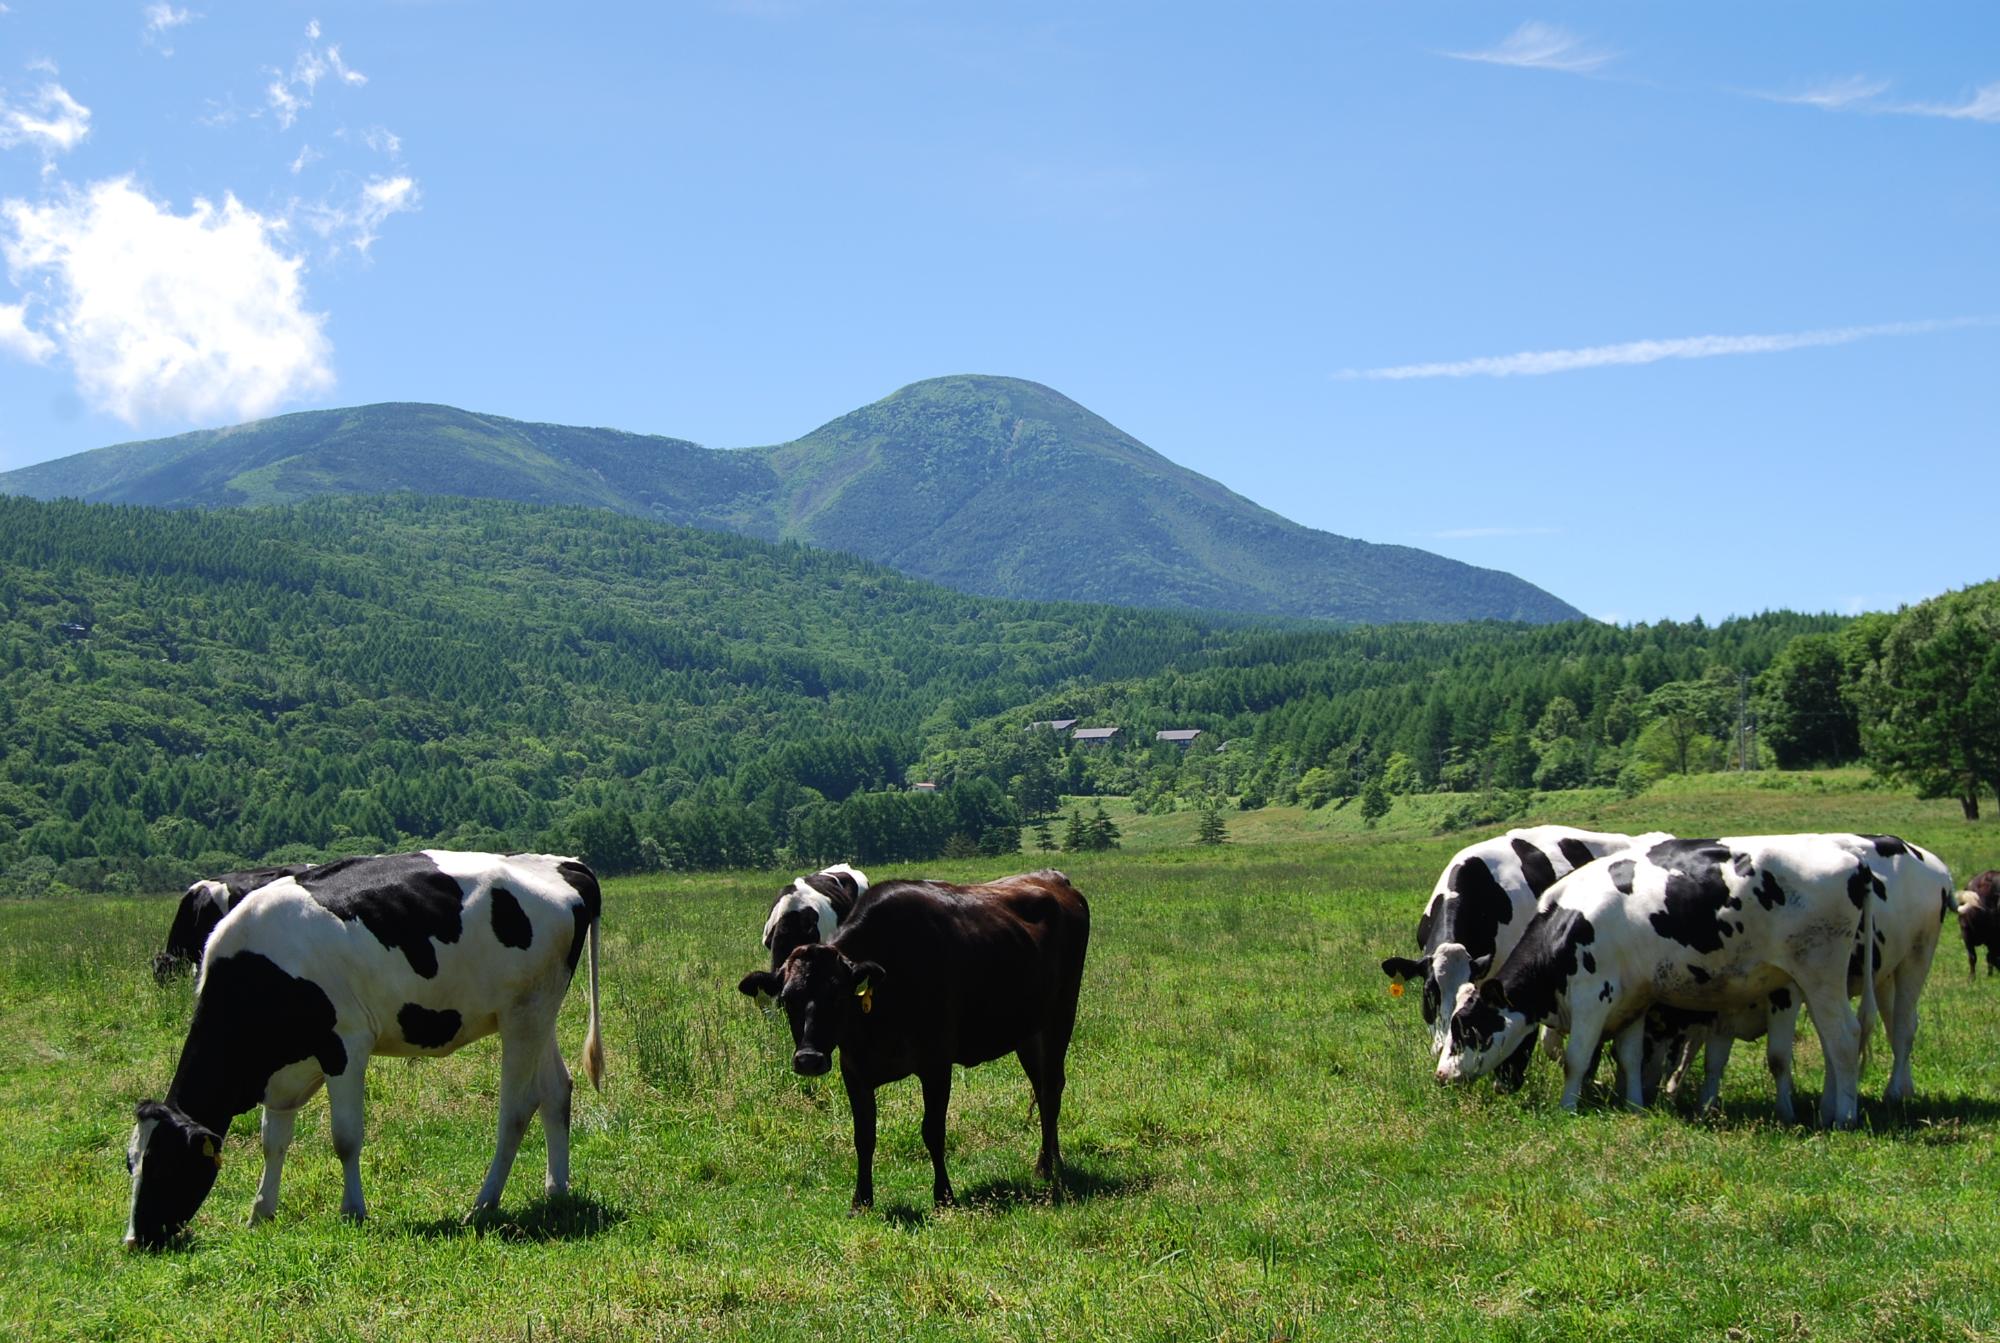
410, 954
204, 905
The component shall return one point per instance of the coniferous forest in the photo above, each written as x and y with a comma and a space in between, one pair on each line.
181, 692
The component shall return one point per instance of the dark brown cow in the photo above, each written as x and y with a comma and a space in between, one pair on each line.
202, 907
923, 975
1979, 920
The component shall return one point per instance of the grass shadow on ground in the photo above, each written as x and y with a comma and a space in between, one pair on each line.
553, 1217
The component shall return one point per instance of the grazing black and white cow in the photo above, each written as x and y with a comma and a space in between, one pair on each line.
204, 905
1979, 921
811, 908
924, 975
412, 954
1708, 925
1480, 907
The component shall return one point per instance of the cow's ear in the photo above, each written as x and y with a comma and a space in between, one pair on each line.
1491, 992
1481, 965
760, 981
869, 973
1400, 968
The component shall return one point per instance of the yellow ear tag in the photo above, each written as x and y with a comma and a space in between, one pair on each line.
866, 993
1395, 988
208, 1150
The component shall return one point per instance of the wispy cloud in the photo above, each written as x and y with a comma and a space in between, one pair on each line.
1531, 363
1833, 95
356, 223
1981, 106
287, 95
1541, 46
50, 121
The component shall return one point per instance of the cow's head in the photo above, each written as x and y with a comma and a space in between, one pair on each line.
1482, 1033
808, 910
173, 1161
1442, 973
824, 995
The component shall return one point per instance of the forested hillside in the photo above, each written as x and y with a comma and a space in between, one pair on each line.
995, 486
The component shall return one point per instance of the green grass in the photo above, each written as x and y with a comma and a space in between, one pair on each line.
1257, 1150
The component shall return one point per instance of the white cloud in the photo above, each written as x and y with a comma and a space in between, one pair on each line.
289, 94
1981, 106
165, 315
306, 155
1534, 362
16, 337
52, 122
1541, 46
356, 223
383, 141
1833, 95
161, 18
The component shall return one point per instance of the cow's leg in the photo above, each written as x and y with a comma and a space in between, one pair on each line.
276, 1132
1714, 1063
861, 1101
1513, 1069
1630, 1047
523, 1047
1034, 1061
937, 1100
1784, 1025
1909, 983
1580, 1057
1840, 1043
345, 1096
556, 1090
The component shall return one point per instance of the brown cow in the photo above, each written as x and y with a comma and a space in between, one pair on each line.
923, 975
1979, 920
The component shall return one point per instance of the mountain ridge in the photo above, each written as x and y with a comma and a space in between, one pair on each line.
996, 486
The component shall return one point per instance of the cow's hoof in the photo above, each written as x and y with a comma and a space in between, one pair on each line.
260, 1214
354, 1215
481, 1216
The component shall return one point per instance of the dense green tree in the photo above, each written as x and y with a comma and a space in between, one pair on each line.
1211, 829
1375, 801
1933, 695
1805, 712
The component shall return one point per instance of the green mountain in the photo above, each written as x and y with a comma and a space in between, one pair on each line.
990, 485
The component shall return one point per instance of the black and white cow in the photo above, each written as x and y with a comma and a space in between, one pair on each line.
411, 954
1480, 907
1711, 926
811, 908
204, 905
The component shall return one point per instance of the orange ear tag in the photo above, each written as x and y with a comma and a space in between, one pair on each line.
1395, 988
208, 1150
866, 993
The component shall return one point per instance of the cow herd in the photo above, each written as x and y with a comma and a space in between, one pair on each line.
1664, 947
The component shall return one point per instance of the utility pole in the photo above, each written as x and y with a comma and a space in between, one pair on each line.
1742, 723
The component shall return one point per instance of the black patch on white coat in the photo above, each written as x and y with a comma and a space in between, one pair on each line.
1769, 894
1621, 875
1781, 999
1589, 963
1538, 973
1696, 894
1476, 908
1863, 880
1575, 851
1887, 845
402, 898
1699, 975
510, 922
250, 1020
590, 903
427, 1029
1424, 924
1535, 866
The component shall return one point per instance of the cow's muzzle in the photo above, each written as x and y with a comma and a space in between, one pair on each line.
810, 1062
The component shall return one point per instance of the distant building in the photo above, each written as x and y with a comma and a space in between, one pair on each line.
925, 787
1093, 736
1179, 736
78, 630
1053, 724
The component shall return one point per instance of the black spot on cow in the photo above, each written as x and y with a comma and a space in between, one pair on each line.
402, 898
1575, 851
427, 1029
1699, 975
1781, 999
1621, 875
1535, 866
510, 921
589, 903
1540, 968
1944, 900
1479, 905
1744, 864
251, 1019
1769, 894
1604, 994
1589, 963
1861, 881
1697, 893
1424, 925
1887, 845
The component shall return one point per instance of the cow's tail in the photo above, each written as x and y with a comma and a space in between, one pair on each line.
593, 1042
1870, 1009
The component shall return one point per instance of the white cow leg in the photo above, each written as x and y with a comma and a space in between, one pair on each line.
1903, 1030
1629, 1045
1579, 1052
345, 1097
521, 1056
556, 1089
1840, 1042
276, 1132
1714, 1063
1784, 1025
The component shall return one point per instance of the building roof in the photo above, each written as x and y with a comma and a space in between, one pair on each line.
1179, 734
1093, 733
1055, 724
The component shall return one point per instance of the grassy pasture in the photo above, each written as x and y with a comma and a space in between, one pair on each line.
1256, 1148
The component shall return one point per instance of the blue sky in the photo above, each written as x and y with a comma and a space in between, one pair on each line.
1750, 254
